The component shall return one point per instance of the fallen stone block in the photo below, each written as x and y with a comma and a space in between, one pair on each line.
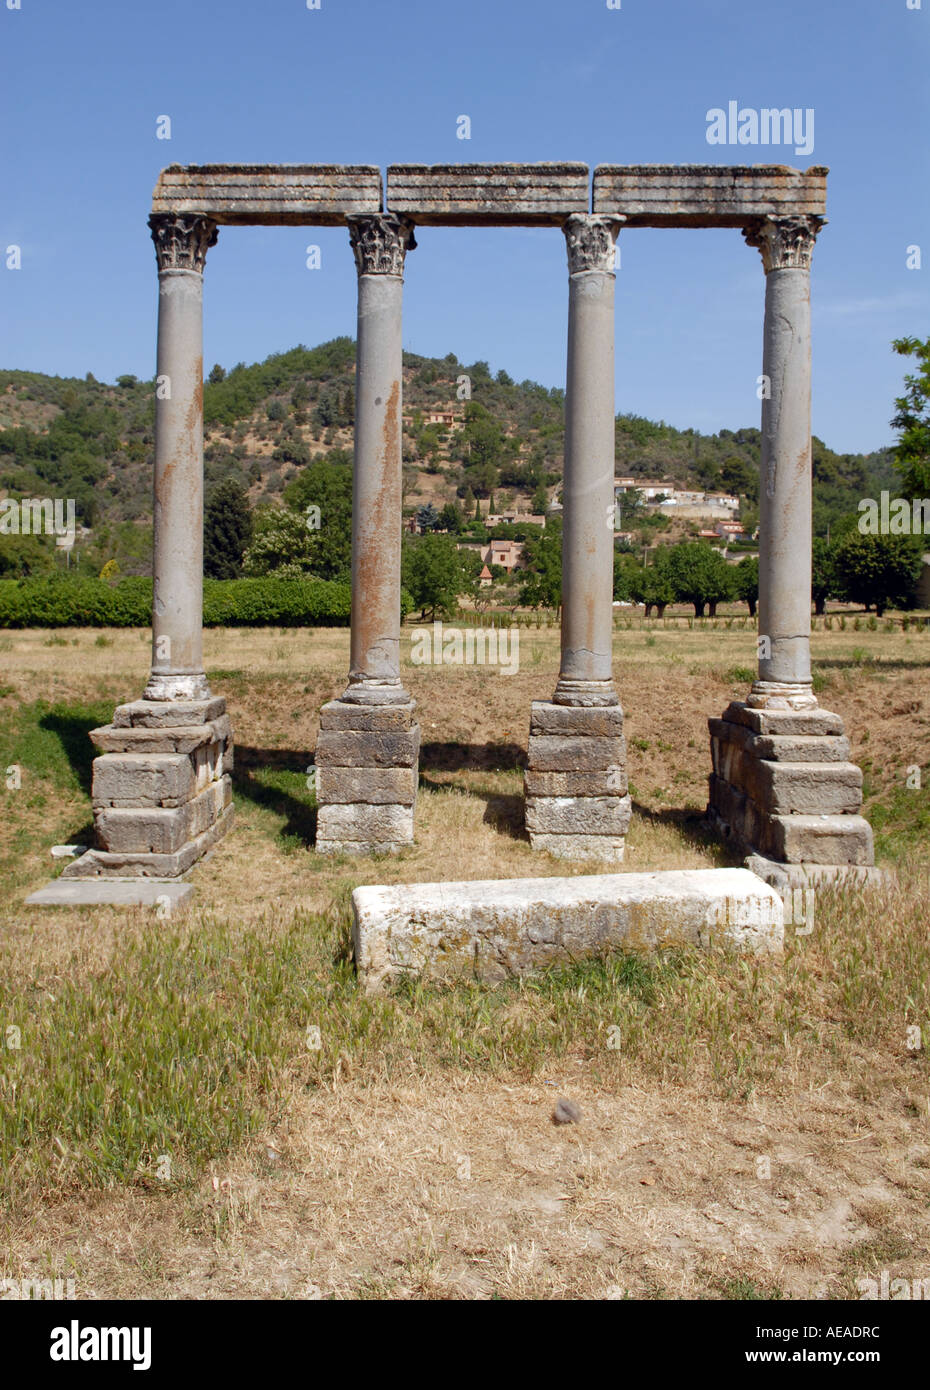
498, 929
166, 898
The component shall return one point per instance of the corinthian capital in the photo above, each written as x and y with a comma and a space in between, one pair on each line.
786, 243
380, 241
182, 240
591, 240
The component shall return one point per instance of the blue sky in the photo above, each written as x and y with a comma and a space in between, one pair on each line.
82, 83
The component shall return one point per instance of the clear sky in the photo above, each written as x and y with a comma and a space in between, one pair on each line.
82, 83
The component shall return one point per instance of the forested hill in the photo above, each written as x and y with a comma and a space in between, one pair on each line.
91, 441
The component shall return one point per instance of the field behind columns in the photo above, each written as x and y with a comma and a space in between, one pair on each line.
412, 1155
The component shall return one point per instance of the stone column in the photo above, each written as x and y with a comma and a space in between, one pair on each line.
181, 245
161, 788
785, 491
576, 791
782, 785
367, 750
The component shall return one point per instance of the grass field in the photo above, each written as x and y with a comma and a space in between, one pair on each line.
169, 1127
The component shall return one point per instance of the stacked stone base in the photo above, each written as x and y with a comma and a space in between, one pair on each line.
784, 789
162, 792
367, 769
577, 803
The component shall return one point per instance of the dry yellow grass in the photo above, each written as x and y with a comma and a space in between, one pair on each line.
763, 1128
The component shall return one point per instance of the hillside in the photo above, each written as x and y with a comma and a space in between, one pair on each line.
93, 441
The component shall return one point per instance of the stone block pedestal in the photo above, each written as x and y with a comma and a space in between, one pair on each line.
366, 777
577, 804
162, 793
783, 786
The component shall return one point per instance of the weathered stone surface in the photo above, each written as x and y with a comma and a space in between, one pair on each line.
141, 779
787, 877
612, 782
97, 863
779, 721
317, 195
707, 195
342, 715
579, 815
501, 195
821, 839
371, 785
603, 721
364, 825
110, 739
168, 898
359, 749
560, 753
607, 849
500, 929
806, 788
166, 714
161, 830
785, 748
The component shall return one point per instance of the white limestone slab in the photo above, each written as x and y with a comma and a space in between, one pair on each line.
496, 929
100, 892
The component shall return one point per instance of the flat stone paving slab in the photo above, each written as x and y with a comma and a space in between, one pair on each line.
112, 892
498, 929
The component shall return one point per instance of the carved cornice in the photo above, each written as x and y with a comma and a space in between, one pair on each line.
592, 241
786, 243
380, 241
182, 240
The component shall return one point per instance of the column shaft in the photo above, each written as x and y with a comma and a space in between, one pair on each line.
380, 244
177, 612
785, 481
588, 478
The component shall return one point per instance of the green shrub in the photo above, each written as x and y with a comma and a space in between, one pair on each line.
65, 601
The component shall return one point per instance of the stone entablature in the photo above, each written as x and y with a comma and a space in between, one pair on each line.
276, 195
503, 195
707, 195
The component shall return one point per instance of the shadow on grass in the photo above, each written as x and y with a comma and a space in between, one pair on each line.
72, 729
472, 757
275, 795
695, 830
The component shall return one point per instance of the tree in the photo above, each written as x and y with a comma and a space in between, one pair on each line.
542, 556
878, 570
281, 544
739, 477
217, 374
823, 574
427, 517
651, 585
912, 419
433, 574
321, 496
451, 519
746, 581
700, 575
227, 531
